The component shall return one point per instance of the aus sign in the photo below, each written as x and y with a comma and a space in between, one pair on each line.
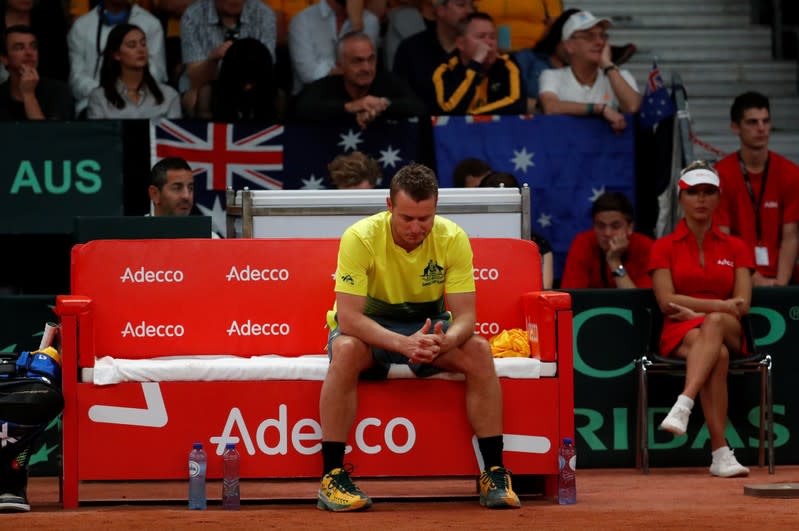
56, 171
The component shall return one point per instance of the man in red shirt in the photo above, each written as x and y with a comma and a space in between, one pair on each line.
760, 194
610, 255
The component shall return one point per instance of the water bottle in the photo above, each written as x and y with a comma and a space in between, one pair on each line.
231, 498
567, 483
197, 463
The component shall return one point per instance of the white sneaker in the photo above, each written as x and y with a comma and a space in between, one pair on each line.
728, 467
676, 421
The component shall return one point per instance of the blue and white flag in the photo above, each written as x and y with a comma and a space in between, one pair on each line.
568, 161
657, 104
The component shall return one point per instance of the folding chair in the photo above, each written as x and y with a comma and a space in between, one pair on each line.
651, 362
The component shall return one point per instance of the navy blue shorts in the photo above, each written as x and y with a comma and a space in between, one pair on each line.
385, 358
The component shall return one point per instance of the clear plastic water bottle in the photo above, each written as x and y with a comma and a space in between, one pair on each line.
567, 482
197, 465
231, 498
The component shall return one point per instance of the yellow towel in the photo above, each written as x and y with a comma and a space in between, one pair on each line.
511, 343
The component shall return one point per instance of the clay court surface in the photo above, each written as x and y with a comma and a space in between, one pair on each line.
669, 498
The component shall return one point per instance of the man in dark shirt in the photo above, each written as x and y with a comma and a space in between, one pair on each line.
360, 92
26, 96
476, 78
418, 56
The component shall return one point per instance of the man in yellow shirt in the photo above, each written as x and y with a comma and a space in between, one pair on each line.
394, 270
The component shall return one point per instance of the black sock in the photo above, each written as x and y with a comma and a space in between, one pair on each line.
491, 450
332, 455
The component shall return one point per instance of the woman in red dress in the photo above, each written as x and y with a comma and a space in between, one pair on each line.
702, 279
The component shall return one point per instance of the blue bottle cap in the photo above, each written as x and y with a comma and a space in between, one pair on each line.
567, 440
230, 446
198, 445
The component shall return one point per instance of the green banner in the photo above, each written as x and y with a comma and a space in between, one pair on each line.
610, 332
51, 172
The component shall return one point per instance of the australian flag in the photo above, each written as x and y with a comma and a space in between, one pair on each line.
567, 161
272, 156
657, 104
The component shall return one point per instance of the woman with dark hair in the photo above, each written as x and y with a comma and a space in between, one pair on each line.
127, 88
47, 20
245, 89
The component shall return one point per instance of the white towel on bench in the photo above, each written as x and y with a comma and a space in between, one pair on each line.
109, 370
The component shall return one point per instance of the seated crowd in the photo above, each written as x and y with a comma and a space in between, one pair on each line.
306, 60
365, 60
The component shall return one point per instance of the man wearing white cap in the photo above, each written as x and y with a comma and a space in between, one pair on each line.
591, 84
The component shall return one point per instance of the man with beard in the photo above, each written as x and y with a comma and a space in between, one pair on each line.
359, 92
171, 187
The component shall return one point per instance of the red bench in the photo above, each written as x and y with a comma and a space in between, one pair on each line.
142, 300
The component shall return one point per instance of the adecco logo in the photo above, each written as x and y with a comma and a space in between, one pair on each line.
483, 273
251, 274
398, 435
149, 330
258, 329
144, 276
486, 329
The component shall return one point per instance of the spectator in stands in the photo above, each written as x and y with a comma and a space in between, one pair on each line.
208, 29
313, 34
549, 52
469, 172
26, 96
172, 190
592, 84
245, 89
476, 78
47, 20
385, 314
611, 255
760, 193
354, 171
87, 39
171, 187
702, 282
507, 180
127, 88
405, 19
169, 12
360, 93
419, 56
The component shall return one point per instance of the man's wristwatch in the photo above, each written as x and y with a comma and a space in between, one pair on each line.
619, 272
609, 68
